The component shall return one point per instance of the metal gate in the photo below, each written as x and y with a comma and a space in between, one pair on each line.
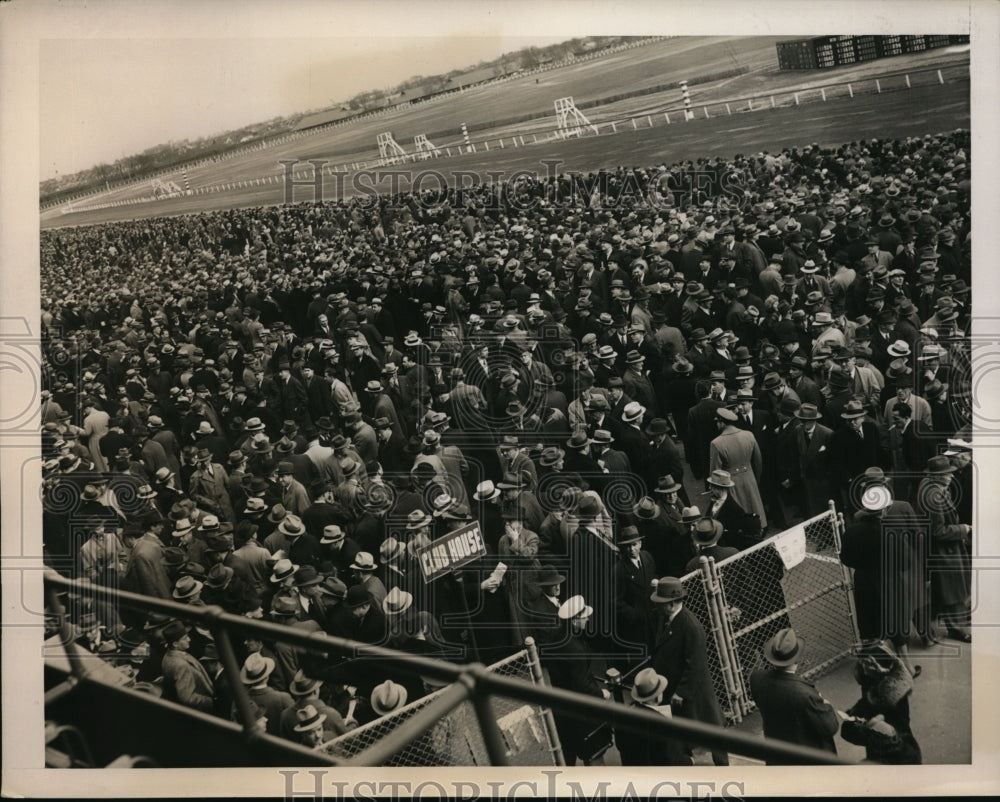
792, 579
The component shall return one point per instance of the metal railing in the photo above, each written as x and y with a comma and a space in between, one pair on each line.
473, 682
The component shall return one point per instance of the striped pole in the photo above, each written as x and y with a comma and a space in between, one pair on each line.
688, 114
465, 135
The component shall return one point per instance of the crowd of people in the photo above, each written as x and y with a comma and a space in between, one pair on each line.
278, 410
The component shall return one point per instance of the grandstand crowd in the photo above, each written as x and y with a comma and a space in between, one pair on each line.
277, 410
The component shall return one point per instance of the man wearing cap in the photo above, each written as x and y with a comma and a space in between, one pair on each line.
736, 451
257, 670
634, 574
649, 748
146, 573
568, 662
790, 706
854, 447
679, 654
305, 691
185, 679
207, 486
294, 496
705, 535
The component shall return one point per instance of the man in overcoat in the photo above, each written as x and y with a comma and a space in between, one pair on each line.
679, 654
790, 706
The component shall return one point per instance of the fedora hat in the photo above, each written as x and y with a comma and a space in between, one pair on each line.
547, 575
174, 631
486, 491
579, 439
357, 595
667, 484
633, 411
397, 602
387, 697
441, 503
575, 607
292, 526
853, 409
418, 519
306, 576
512, 481
332, 586
648, 685
935, 389
173, 557
721, 478
602, 437
301, 685
807, 412
668, 589
646, 509
332, 534
254, 505
283, 569
772, 381
186, 588
900, 348
707, 532
551, 455
284, 605
690, 514
657, 426
308, 719
839, 379
364, 561
219, 576
391, 549
783, 649
627, 535
256, 669
940, 465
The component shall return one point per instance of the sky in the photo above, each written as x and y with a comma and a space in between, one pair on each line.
101, 99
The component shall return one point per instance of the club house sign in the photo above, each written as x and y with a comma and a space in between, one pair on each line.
451, 551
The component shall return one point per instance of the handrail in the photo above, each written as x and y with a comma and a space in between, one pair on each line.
475, 681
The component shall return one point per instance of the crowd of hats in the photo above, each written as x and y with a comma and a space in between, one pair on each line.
183, 329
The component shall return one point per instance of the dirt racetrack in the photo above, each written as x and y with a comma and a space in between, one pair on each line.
915, 112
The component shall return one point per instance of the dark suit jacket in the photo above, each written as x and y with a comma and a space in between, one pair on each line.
680, 656
701, 430
633, 608
792, 710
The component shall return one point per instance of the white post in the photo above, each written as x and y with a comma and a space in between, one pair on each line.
908, 81
728, 110
850, 90
749, 104
940, 77
501, 144
823, 93
534, 139
878, 86
649, 120
522, 141
796, 98
614, 128
668, 117
772, 101
633, 123
486, 145
706, 111
449, 151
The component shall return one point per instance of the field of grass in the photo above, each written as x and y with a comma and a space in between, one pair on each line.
923, 109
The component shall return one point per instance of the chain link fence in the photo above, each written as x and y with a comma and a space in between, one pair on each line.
792, 579
456, 740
